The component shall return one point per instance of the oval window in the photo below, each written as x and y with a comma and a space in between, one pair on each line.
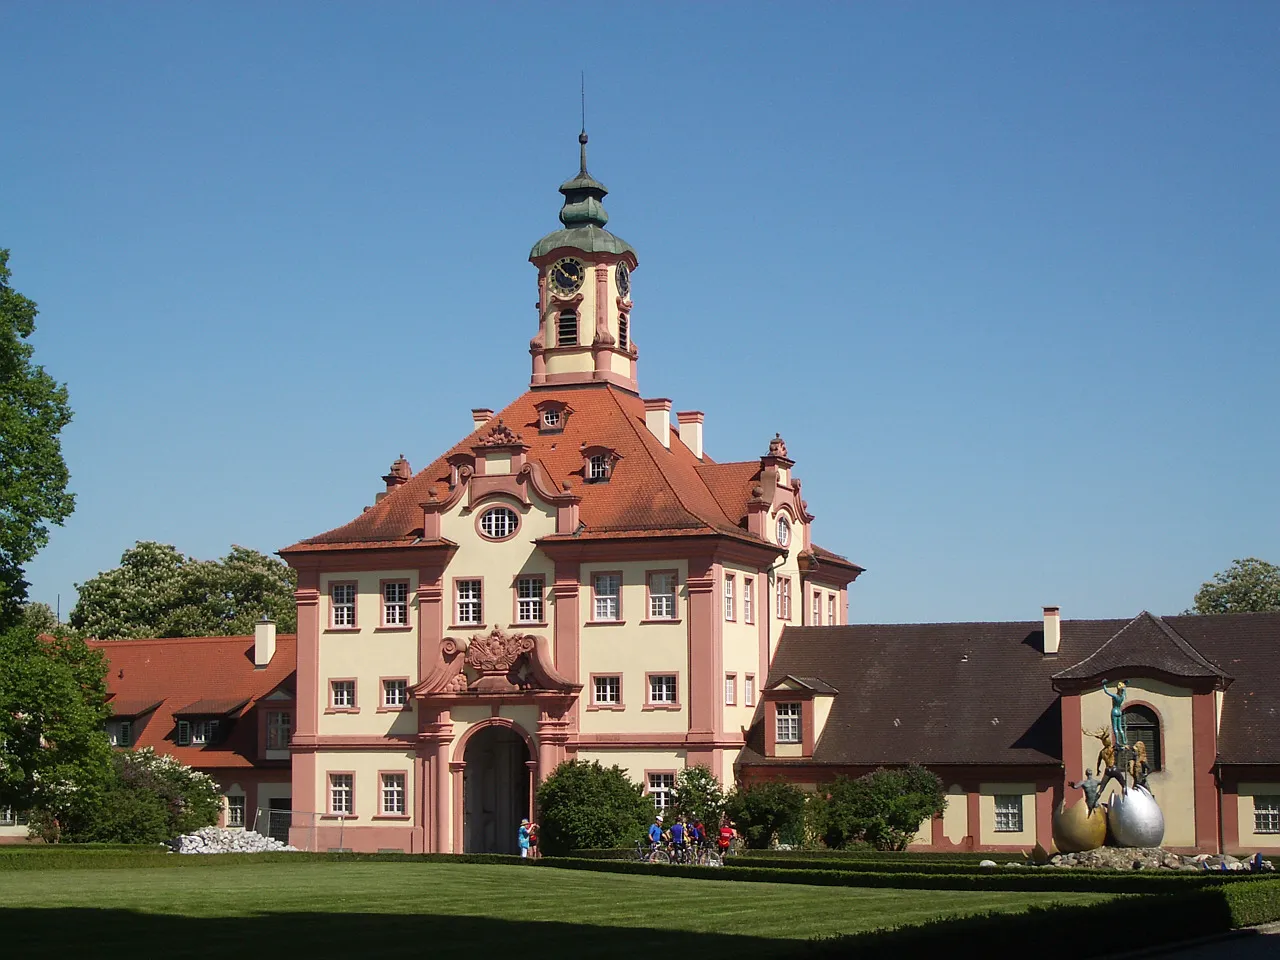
784, 532
499, 523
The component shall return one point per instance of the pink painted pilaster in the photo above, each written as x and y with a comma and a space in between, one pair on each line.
303, 790
703, 620
458, 815
975, 817
308, 680
936, 833
1204, 753
430, 619
1072, 746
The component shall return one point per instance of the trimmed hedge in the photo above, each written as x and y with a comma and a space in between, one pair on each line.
72, 858
1024, 880
1065, 932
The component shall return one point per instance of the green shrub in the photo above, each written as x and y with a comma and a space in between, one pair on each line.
767, 811
699, 796
883, 809
586, 805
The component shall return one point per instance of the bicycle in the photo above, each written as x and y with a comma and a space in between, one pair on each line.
651, 852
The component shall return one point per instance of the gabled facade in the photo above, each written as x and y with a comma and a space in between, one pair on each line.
575, 578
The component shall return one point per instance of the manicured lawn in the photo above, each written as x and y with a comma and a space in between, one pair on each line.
479, 911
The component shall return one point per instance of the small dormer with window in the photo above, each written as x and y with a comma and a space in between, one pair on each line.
584, 293
598, 463
553, 415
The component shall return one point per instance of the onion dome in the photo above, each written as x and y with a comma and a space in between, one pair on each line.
583, 216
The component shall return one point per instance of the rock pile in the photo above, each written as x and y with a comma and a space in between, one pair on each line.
1154, 858
222, 840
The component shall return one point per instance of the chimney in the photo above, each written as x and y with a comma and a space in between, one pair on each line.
657, 417
479, 417
1052, 631
264, 642
691, 430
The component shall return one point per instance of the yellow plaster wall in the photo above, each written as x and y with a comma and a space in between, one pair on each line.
987, 814
365, 765
633, 649
790, 567
495, 463
582, 359
741, 649
1173, 786
1249, 839
955, 819
821, 711
367, 653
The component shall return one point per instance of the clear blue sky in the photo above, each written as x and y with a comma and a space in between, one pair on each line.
1005, 276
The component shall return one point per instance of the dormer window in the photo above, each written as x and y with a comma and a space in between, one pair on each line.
553, 415
598, 468
598, 463
567, 329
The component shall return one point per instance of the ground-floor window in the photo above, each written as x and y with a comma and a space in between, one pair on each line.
1266, 814
1008, 813
235, 811
393, 794
11, 818
341, 786
662, 788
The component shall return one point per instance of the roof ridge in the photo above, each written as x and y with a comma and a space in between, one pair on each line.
1183, 643
140, 640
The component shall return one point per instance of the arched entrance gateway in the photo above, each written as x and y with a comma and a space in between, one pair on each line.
480, 772
497, 786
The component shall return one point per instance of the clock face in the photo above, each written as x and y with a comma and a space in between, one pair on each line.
567, 276
623, 276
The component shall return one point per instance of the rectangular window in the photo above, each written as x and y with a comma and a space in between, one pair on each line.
607, 596
235, 811
395, 693
529, 601
567, 329
749, 599
662, 596
730, 596
120, 733
1266, 814
598, 468
395, 604
662, 688
662, 788
203, 732
1008, 813
788, 723
469, 601
784, 598
343, 694
831, 610
342, 605
341, 787
607, 690
279, 729
393, 795
749, 690
184, 733
817, 609
730, 689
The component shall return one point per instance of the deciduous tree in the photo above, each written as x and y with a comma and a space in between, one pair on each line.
699, 795
33, 475
584, 806
768, 811
159, 592
1247, 586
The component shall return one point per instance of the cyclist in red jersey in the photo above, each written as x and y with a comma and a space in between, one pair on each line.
726, 836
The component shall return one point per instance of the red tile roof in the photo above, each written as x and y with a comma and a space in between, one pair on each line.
182, 671
652, 492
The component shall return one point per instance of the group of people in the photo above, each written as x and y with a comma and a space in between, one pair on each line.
528, 839
687, 836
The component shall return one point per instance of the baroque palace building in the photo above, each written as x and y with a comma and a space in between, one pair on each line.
576, 578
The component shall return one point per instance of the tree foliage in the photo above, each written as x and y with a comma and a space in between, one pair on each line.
149, 798
1247, 586
884, 808
54, 755
767, 811
33, 475
584, 806
699, 795
159, 592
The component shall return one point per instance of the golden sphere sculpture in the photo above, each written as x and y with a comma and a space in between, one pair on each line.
1075, 829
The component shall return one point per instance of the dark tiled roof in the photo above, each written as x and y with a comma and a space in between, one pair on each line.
809, 683
1144, 642
935, 693
1246, 646
211, 707
133, 706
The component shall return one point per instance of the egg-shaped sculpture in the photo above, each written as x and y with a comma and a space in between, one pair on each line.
1076, 829
1136, 819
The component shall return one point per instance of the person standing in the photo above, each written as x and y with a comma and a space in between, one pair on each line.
523, 839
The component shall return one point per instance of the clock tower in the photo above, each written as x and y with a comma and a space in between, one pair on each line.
584, 293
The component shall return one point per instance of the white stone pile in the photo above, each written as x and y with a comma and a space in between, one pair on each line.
223, 840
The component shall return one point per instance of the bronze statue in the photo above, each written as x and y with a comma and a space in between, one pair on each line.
1092, 789
1107, 755
1139, 769
1119, 735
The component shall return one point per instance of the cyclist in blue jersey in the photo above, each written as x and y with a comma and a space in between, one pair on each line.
678, 839
655, 835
